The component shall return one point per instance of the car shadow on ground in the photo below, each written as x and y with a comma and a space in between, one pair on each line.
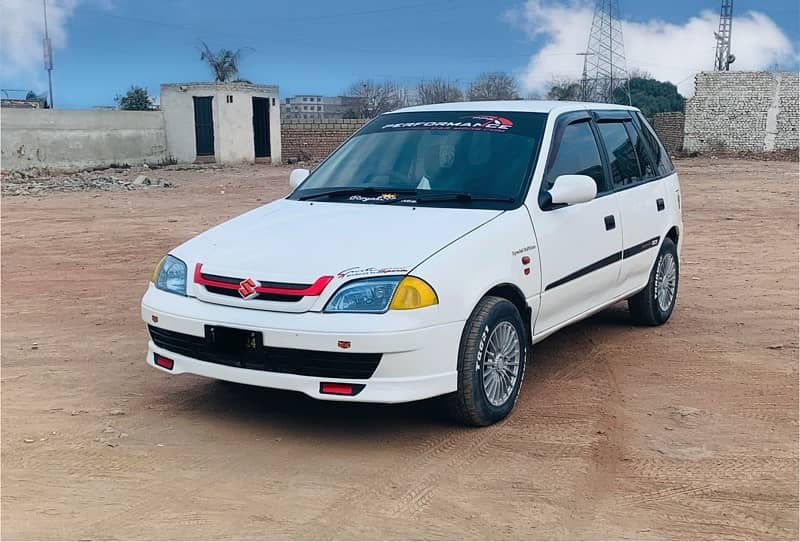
269, 408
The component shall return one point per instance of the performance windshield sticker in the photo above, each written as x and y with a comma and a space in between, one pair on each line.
489, 123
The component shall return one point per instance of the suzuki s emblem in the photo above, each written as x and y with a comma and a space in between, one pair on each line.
247, 288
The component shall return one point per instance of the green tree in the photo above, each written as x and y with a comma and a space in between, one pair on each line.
223, 63
564, 89
652, 96
136, 99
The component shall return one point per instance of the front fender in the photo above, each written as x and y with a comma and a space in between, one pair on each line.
491, 255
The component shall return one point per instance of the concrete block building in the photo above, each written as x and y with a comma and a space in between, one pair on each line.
222, 122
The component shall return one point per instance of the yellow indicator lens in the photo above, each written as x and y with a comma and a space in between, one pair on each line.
154, 276
413, 293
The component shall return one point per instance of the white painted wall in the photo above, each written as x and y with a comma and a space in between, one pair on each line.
233, 122
78, 139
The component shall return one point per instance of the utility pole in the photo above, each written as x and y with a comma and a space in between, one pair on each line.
723, 57
584, 78
48, 55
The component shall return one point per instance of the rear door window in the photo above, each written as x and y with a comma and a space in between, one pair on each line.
642, 153
622, 159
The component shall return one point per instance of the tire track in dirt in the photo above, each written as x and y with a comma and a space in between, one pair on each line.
470, 448
473, 447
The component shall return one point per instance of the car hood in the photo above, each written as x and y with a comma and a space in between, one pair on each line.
299, 241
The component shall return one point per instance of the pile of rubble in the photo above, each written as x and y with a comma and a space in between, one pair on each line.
35, 183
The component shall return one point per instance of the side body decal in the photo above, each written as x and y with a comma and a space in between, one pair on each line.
608, 260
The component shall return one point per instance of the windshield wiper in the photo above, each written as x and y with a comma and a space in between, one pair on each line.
464, 196
363, 191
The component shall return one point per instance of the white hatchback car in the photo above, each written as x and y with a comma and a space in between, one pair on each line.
427, 254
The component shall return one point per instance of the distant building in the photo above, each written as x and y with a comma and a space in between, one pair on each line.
24, 103
222, 122
314, 106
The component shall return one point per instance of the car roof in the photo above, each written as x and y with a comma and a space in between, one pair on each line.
533, 106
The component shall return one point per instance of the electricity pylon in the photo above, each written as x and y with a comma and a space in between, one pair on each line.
605, 75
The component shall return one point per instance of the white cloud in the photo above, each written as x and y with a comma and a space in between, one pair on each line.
22, 34
668, 51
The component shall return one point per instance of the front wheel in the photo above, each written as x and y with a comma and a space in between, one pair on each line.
653, 305
491, 363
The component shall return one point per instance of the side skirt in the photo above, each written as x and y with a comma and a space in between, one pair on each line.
537, 337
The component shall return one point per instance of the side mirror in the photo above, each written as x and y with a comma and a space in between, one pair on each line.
297, 176
573, 189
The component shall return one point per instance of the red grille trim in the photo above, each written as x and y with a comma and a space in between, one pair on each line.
315, 289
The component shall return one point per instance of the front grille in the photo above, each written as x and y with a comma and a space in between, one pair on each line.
272, 359
286, 298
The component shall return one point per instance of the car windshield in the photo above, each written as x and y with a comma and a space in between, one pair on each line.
441, 158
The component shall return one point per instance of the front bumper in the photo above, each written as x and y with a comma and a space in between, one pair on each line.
419, 354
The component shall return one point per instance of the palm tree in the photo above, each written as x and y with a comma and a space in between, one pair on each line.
224, 63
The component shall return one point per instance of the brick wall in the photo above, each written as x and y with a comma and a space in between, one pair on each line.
310, 140
669, 127
743, 111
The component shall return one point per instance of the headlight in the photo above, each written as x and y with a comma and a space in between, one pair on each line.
377, 295
170, 275
365, 295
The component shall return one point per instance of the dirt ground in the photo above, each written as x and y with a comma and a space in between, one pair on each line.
685, 431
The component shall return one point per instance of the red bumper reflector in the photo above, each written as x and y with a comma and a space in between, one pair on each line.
335, 388
166, 363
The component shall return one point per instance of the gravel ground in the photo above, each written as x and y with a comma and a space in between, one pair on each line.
686, 431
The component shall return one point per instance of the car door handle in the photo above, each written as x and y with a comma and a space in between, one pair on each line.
660, 204
610, 222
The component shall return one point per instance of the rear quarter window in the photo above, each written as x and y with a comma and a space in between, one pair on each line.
657, 150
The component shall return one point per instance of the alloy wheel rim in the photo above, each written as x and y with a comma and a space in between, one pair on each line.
501, 363
666, 281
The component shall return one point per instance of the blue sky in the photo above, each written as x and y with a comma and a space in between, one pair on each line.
315, 46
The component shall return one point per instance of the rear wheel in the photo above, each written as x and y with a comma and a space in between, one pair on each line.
491, 363
654, 305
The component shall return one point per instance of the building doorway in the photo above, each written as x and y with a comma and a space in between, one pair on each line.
261, 127
203, 126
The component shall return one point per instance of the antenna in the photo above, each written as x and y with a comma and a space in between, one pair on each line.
604, 69
48, 55
723, 58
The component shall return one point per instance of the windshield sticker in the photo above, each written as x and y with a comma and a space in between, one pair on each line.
382, 197
489, 123
368, 271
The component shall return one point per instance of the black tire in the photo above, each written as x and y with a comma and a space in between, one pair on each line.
470, 404
644, 306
